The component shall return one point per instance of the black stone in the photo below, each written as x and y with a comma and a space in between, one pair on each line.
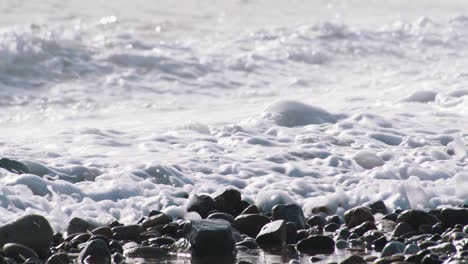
316, 245
32, 231
289, 213
251, 209
378, 207
59, 258
317, 220
363, 228
380, 243
453, 216
78, 225
334, 219
202, 204
18, 252
13, 166
210, 238
248, 243
354, 259
222, 216
357, 216
273, 235
416, 218
103, 231
158, 219
96, 249
291, 233
391, 216
229, 202
250, 224
129, 232
331, 227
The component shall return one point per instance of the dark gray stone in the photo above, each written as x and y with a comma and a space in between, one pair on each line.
378, 207
251, 209
97, 250
416, 218
316, 245
317, 220
222, 216
272, 235
354, 259
229, 202
357, 216
289, 213
402, 228
13, 166
129, 232
202, 204
78, 225
361, 229
248, 243
392, 248
18, 252
210, 238
103, 231
250, 224
291, 233
453, 216
32, 231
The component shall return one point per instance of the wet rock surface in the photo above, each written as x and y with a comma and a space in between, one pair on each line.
411, 236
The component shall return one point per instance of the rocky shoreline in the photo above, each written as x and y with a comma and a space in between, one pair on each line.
232, 229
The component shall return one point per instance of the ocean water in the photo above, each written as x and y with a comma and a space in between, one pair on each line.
121, 107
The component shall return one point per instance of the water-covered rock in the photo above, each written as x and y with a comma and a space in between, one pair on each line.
416, 218
210, 238
95, 251
316, 245
250, 224
13, 166
357, 216
289, 213
272, 235
202, 204
33, 231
